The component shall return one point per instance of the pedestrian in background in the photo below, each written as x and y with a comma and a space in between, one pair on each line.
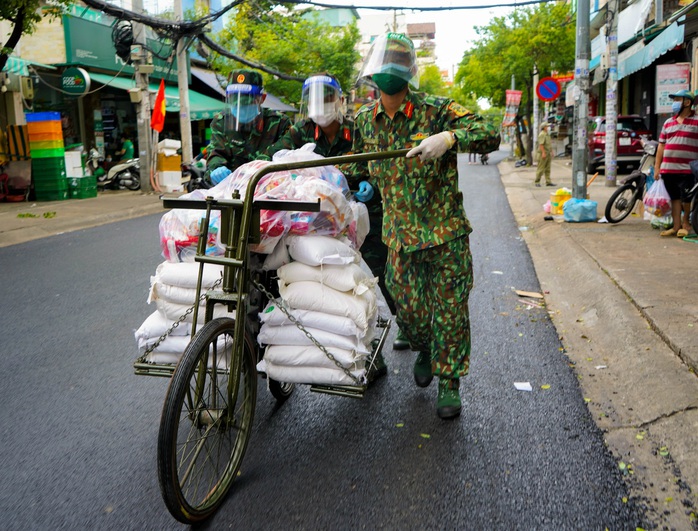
127, 151
545, 156
429, 272
245, 130
678, 146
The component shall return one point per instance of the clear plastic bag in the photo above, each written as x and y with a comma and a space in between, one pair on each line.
657, 200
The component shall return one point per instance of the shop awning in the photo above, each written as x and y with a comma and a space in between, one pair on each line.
200, 107
644, 56
19, 66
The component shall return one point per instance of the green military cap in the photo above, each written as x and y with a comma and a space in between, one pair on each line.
246, 77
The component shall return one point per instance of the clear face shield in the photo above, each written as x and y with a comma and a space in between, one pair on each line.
391, 62
244, 105
322, 100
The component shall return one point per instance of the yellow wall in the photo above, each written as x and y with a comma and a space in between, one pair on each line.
46, 45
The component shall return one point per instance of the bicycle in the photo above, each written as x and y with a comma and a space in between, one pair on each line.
208, 412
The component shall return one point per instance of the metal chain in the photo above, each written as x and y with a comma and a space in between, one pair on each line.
181, 319
300, 326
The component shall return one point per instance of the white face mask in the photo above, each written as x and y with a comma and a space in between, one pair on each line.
329, 116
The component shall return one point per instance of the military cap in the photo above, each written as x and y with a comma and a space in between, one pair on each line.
246, 77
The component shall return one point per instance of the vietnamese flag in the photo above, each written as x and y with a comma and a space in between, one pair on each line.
157, 120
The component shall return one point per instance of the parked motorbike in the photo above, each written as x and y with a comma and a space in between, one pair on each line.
196, 171
123, 175
632, 188
95, 163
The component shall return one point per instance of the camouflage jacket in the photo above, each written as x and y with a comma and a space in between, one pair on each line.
306, 131
234, 148
423, 206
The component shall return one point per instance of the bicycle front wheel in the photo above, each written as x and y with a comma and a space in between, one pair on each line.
621, 203
206, 422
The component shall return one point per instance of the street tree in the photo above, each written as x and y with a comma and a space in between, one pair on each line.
289, 40
23, 16
527, 40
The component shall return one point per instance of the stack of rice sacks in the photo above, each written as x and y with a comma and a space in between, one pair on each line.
326, 290
341, 223
173, 291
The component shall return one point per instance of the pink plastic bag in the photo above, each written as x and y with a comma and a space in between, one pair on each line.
657, 200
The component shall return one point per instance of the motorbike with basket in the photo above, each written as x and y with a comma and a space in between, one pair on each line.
632, 188
208, 413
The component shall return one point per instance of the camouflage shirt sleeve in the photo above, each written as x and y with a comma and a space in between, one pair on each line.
473, 133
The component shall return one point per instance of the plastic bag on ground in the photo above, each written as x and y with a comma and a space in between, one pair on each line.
579, 210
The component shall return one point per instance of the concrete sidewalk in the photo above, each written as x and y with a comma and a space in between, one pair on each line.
623, 301
22, 222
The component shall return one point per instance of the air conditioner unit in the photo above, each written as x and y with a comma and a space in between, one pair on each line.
27, 85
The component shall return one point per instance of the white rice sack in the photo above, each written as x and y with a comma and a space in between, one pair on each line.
309, 375
307, 295
171, 344
338, 324
311, 356
170, 293
157, 324
348, 277
292, 335
173, 311
159, 356
317, 250
185, 275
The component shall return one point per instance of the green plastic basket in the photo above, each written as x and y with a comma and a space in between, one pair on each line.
47, 153
51, 195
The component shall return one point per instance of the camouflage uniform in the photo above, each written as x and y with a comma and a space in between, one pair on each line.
429, 271
373, 250
235, 148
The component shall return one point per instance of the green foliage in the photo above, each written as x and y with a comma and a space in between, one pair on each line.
431, 82
542, 37
282, 38
31, 11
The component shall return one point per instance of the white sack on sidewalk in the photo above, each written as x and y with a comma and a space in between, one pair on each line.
186, 274
338, 324
313, 296
317, 250
308, 375
348, 277
292, 335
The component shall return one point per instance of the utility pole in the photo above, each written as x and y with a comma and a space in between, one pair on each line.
183, 82
580, 151
611, 160
536, 109
140, 58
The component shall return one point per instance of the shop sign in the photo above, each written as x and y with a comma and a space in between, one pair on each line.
513, 100
75, 81
670, 79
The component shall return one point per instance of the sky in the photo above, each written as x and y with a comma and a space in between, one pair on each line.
455, 29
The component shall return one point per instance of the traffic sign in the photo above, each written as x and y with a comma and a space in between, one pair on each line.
548, 89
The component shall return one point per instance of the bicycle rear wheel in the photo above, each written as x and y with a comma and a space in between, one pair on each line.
694, 213
205, 426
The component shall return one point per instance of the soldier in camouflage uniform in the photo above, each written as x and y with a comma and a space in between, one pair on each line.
429, 271
325, 125
246, 130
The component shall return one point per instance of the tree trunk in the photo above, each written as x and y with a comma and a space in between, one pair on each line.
14, 37
529, 114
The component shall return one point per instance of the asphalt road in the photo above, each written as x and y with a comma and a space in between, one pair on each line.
79, 429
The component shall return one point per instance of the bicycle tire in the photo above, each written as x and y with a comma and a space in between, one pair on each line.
694, 213
280, 390
620, 205
203, 436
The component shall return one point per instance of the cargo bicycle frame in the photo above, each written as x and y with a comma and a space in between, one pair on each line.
208, 412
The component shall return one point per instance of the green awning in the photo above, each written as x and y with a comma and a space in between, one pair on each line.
200, 107
638, 59
17, 65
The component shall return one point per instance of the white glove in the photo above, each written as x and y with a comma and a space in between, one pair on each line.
433, 147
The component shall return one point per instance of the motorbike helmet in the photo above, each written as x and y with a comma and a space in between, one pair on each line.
391, 63
243, 97
321, 100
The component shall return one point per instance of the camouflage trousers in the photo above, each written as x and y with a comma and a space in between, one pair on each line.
431, 289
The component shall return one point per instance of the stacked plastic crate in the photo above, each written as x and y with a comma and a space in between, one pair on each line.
47, 154
80, 186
